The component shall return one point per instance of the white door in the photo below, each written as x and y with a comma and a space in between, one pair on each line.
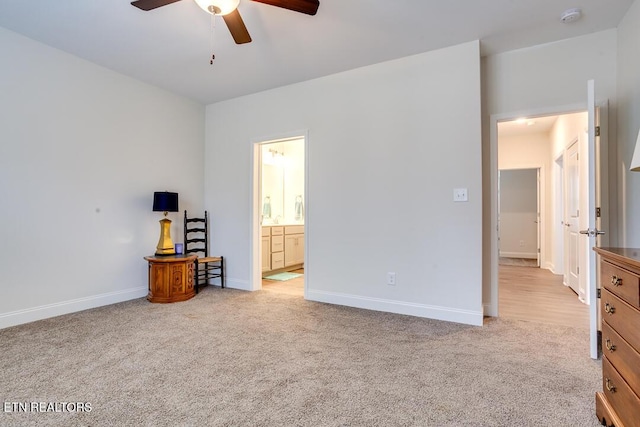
572, 216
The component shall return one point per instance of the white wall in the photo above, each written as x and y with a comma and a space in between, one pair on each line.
83, 149
544, 79
566, 130
385, 151
628, 125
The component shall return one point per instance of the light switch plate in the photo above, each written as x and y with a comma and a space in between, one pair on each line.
460, 195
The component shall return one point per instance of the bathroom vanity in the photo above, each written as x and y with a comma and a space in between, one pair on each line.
282, 247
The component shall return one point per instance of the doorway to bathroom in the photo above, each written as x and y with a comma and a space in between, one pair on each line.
281, 206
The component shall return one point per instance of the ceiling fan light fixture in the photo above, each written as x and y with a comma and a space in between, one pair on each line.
218, 7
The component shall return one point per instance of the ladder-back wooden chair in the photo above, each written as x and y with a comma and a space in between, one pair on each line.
196, 241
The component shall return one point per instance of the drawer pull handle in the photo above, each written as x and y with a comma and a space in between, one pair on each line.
611, 347
616, 281
609, 385
609, 308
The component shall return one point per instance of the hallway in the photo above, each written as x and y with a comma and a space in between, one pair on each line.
534, 294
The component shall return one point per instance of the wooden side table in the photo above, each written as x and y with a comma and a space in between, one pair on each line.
171, 278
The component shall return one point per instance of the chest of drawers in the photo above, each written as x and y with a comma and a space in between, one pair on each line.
619, 402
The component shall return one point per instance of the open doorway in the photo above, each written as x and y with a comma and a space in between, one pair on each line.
593, 203
281, 204
531, 283
519, 217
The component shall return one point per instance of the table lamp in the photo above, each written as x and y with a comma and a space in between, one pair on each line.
164, 201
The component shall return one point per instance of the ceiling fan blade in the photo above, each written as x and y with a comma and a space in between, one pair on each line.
151, 4
310, 7
236, 27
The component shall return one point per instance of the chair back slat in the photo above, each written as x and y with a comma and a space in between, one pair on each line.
203, 240
195, 219
196, 234
196, 241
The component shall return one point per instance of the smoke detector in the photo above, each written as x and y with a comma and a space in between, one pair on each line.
570, 15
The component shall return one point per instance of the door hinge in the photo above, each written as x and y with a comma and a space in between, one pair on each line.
578, 271
597, 130
598, 213
599, 293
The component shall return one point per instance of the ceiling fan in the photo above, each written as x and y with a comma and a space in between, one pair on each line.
228, 9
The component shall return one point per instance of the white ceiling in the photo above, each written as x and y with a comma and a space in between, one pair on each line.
170, 47
526, 126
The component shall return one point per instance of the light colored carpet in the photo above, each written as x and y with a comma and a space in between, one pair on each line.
282, 277
233, 358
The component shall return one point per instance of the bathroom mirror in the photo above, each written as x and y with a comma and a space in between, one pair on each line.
282, 182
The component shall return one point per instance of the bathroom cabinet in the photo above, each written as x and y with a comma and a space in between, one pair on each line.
282, 247
277, 248
293, 245
266, 248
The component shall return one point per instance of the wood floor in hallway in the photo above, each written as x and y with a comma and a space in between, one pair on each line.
535, 294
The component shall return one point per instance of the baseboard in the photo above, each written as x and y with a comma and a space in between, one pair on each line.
528, 255
448, 314
232, 283
488, 310
552, 269
32, 314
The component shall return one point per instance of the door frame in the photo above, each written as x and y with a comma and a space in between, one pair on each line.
601, 156
491, 306
255, 273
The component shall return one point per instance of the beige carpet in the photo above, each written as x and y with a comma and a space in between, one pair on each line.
233, 358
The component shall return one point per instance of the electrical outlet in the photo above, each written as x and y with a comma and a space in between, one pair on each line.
521, 243
460, 195
391, 279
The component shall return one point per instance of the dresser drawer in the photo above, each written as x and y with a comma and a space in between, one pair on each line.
621, 317
621, 282
625, 402
622, 356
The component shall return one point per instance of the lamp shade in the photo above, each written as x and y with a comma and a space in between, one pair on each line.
164, 201
635, 161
